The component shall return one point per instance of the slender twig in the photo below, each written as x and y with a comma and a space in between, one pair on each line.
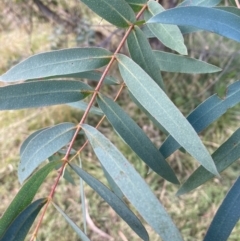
237, 3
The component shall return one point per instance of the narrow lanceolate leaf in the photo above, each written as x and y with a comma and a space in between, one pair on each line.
227, 215
58, 63
209, 19
141, 52
132, 185
114, 201
117, 12
223, 157
25, 196
133, 135
45, 144
181, 64
204, 3
136, 5
170, 36
156, 102
78, 231
42, 93
81, 105
205, 114
230, 9
19, 228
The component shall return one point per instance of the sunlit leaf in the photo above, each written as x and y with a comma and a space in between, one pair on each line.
81, 105
136, 5
204, 3
45, 144
226, 217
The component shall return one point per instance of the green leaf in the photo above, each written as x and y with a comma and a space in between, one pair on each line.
19, 228
141, 52
226, 217
58, 63
81, 105
233, 10
205, 114
170, 36
42, 93
136, 5
210, 19
116, 12
112, 199
181, 64
78, 231
204, 3
223, 157
45, 144
156, 102
25, 196
133, 135
132, 185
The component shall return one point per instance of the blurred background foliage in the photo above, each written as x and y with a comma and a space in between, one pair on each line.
29, 27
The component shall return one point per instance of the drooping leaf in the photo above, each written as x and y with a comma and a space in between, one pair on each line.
205, 114
19, 228
141, 52
58, 63
170, 36
25, 196
136, 5
223, 157
81, 105
156, 102
204, 3
209, 19
78, 231
132, 185
133, 135
227, 215
45, 144
181, 64
117, 12
42, 93
112, 199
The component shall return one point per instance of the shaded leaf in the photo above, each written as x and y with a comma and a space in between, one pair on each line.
204, 3
19, 228
81, 105
25, 196
136, 5
205, 114
112, 199
226, 217
233, 10
156, 102
223, 157
170, 36
45, 144
209, 19
116, 12
133, 135
42, 93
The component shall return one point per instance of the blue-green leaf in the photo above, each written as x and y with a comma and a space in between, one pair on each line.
42, 93
58, 63
227, 215
204, 3
132, 185
45, 144
113, 200
230, 9
133, 135
223, 157
210, 19
19, 228
205, 114
81, 105
156, 102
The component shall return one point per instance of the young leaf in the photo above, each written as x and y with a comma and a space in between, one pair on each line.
210, 19
156, 102
78, 231
58, 63
170, 36
181, 64
133, 135
204, 3
45, 144
81, 105
132, 185
19, 228
42, 93
227, 215
205, 114
25, 196
141, 52
117, 12
136, 5
113, 200
223, 157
